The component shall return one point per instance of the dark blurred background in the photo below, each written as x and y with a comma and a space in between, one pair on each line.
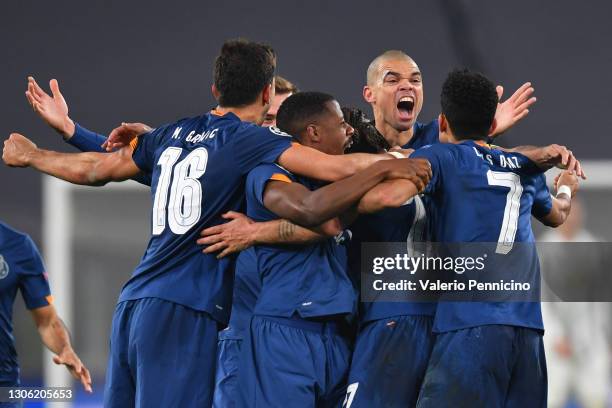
152, 62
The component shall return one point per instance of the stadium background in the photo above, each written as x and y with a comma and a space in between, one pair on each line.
147, 61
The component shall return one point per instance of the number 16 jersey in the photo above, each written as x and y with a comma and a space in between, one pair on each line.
198, 168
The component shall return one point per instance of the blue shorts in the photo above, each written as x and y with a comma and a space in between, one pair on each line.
226, 376
389, 362
162, 354
486, 366
289, 363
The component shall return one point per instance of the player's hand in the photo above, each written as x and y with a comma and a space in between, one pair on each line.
417, 171
52, 109
231, 237
567, 178
17, 149
122, 136
513, 109
74, 365
559, 156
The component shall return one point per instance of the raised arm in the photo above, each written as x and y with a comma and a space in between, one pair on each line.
295, 202
513, 109
566, 186
55, 337
53, 109
79, 168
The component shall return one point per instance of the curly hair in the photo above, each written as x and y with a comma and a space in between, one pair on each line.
469, 102
366, 139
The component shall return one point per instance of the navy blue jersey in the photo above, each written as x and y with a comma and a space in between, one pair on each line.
247, 284
481, 195
198, 167
393, 225
21, 268
307, 280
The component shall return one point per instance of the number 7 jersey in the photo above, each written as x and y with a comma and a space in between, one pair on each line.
477, 194
198, 168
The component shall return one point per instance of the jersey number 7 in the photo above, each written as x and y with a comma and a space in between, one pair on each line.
511, 210
185, 206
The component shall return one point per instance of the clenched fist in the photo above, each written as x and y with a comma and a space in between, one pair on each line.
17, 150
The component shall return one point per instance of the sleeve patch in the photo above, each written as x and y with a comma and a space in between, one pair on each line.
280, 177
134, 143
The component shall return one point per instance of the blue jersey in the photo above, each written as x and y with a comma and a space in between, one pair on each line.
198, 167
21, 268
393, 225
481, 195
307, 280
247, 284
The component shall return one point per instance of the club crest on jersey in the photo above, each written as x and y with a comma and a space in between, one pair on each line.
279, 132
4, 268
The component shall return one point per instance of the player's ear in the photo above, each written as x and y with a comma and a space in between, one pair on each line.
493, 126
215, 92
268, 94
442, 123
312, 134
368, 95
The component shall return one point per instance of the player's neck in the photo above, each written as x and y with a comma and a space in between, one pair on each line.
245, 114
393, 136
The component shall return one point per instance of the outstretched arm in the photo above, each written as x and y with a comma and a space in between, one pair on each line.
55, 336
79, 168
314, 164
295, 202
240, 233
388, 194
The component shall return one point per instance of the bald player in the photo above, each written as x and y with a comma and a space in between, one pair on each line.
395, 338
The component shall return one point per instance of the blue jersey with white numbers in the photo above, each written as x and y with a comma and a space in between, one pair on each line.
198, 167
393, 225
481, 195
247, 284
21, 268
307, 280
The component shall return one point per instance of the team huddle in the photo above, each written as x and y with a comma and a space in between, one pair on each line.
248, 292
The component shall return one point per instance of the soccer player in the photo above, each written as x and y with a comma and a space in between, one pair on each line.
165, 325
246, 285
394, 90
299, 339
283, 89
486, 353
22, 269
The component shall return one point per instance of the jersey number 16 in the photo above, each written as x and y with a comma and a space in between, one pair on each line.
185, 204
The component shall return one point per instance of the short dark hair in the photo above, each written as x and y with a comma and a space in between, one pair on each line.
242, 70
469, 101
284, 86
300, 109
366, 139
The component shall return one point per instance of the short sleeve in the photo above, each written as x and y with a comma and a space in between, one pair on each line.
432, 154
33, 282
542, 201
259, 177
144, 152
256, 145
